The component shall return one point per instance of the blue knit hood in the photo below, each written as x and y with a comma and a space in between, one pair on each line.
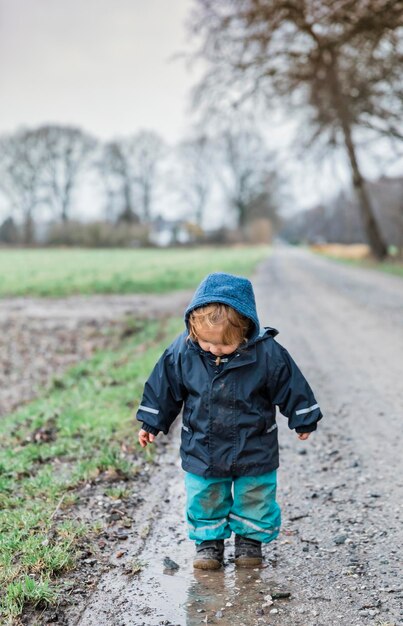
236, 291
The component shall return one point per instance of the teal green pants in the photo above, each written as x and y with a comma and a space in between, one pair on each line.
245, 505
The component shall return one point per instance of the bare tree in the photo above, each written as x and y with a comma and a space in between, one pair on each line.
143, 154
195, 156
339, 59
246, 172
22, 169
118, 182
68, 153
130, 173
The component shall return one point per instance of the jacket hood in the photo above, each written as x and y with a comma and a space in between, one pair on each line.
236, 291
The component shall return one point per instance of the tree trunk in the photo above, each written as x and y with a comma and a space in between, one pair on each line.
378, 245
65, 218
127, 197
375, 239
28, 228
241, 208
146, 202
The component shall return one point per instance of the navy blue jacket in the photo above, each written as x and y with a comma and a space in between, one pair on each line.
229, 411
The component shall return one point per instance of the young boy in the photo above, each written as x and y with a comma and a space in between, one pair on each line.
229, 375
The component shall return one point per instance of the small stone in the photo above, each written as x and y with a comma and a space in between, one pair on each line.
219, 614
120, 553
273, 611
340, 539
276, 595
170, 564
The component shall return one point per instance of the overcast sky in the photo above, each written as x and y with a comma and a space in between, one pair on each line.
104, 65
107, 66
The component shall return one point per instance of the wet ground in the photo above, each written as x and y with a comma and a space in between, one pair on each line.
338, 559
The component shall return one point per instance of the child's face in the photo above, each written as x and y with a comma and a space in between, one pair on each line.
210, 340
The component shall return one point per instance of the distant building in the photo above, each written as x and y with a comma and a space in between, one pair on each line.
164, 232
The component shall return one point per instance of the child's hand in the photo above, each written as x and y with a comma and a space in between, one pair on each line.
303, 436
145, 438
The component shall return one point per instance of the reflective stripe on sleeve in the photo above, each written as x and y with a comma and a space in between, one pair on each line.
148, 409
311, 408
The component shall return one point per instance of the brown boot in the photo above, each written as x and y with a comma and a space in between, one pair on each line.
209, 554
248, 552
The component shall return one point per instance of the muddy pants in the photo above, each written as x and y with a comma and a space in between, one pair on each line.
245, 505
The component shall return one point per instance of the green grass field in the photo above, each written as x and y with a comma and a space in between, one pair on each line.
62, 272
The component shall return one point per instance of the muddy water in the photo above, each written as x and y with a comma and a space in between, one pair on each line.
339, 553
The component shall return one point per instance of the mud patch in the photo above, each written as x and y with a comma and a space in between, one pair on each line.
41, 337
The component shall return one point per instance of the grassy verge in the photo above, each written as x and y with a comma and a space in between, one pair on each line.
82, 427
389, 267
345, 254
61, 272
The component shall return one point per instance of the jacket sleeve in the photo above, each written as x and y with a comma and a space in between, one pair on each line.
150, 429
163, 395
293, 395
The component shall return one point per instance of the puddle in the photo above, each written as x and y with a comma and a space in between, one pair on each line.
191, 597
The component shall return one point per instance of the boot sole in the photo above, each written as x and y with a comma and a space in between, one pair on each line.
206, 564
248, 561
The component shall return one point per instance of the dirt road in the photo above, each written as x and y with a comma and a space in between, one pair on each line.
340, 492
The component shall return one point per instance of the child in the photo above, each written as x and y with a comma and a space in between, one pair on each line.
228, 374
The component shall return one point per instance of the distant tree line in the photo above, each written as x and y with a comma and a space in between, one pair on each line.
340, 221
43, 171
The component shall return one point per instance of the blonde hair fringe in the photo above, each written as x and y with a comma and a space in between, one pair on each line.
235, 325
